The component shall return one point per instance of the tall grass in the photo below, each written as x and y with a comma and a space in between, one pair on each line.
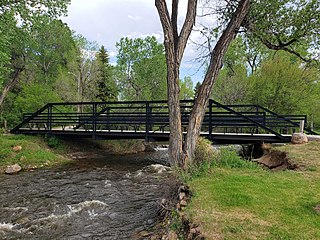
207, 159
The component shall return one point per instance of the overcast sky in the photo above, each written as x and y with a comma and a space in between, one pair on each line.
106, 21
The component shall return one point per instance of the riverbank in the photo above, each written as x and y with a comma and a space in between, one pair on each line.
29, 152
243, 201
32, 152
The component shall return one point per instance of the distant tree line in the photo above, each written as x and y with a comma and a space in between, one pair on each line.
42, 60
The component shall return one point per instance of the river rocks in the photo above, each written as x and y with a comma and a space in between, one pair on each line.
17, 148
13, 169
149, 148
317, 209
172, 235
160, 168
299, 138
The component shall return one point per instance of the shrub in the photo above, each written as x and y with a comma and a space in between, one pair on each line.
53, 142
230, 159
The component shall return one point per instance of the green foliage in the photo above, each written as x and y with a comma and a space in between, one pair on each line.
53, 142
285, 24
284, 86
231, 86
186, 89
34, 96
196, 89
15, 35
141, 69
27, 10
204, 152
106, 85
230, 159
50, 46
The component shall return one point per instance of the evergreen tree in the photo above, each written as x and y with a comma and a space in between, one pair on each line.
106, 86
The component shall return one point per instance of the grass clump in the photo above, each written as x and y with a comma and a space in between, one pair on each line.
238, 200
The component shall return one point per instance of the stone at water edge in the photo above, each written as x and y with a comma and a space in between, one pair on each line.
13, 169
17, 148
172, 235
299, 138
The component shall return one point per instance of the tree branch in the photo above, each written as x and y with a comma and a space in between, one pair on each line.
174, 22
187, 28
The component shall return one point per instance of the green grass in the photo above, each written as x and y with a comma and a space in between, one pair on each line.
35, 152
242, 202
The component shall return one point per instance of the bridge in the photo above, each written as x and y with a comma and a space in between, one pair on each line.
149, 120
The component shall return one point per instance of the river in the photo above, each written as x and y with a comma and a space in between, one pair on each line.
114, 197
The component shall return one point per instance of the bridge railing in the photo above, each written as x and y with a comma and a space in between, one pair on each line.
151, 117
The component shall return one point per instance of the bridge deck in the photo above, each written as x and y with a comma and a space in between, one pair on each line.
150, 121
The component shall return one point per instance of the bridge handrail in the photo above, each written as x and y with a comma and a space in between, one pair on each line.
256, 117
30, 118
287, 120
250, 120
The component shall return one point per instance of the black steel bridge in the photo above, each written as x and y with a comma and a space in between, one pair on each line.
149, 120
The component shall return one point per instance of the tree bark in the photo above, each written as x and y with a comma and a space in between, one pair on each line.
174, 47
202, 99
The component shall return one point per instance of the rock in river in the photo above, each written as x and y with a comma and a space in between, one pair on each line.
13, 169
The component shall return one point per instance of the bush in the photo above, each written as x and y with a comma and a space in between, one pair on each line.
53, 142
230, 159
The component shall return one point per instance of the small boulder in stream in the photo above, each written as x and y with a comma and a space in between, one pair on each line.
13, 169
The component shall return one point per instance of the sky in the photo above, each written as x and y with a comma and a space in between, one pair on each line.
106, 21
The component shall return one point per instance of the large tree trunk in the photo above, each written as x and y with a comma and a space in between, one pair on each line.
181, 154
174, 46
217, 55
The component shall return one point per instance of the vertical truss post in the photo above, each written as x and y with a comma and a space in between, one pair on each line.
94, 120
210, 118
49, 119
148, 112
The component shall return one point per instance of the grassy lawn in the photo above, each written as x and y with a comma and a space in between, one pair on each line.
250, 203
35, 152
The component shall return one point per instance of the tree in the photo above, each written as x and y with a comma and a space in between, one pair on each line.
12, 48
285, 25
196, 89
84, 71
231, 86
284, 84
14, 35
50, 45
186, 89
279, 25
142, 68
106, 86
182, 153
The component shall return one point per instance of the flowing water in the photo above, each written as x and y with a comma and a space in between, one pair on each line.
110, 198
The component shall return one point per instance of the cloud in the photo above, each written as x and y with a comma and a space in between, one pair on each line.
135, 18
106, 21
